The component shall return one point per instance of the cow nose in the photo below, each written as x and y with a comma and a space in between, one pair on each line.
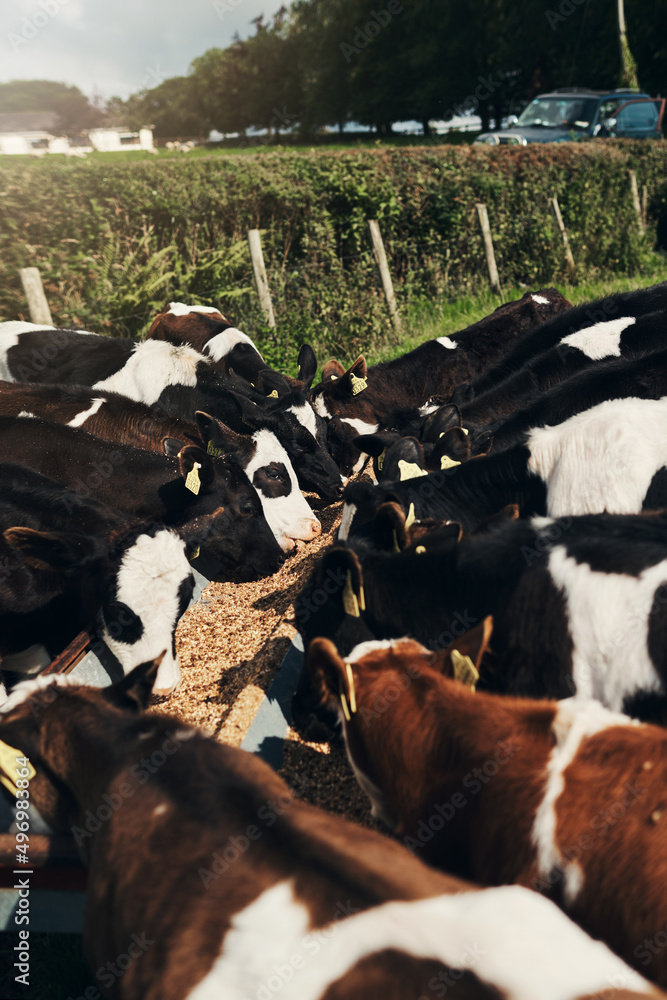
315, 527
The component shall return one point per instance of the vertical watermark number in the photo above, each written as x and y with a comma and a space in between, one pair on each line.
22, 884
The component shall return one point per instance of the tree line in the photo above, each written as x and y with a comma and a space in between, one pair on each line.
325, 63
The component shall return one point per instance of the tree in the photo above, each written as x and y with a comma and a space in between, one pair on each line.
74, 110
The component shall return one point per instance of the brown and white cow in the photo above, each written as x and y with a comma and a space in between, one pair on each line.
208, 878
565, 797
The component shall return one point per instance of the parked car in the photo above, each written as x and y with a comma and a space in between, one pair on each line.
574, 113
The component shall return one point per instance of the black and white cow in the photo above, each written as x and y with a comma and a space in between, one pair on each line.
579, 606
642, 378
552, 332
123, 421
177, 380
210, 501
364, 397
611, 457
130, 581
627, 337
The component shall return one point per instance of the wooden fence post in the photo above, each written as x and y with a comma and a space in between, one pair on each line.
555, 208
387, 284
644, 205
488, 247
635, 199
261, 281
34, 293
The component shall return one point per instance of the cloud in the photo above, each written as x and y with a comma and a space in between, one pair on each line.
116, 46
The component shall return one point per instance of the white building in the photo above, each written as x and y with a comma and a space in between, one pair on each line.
37, 133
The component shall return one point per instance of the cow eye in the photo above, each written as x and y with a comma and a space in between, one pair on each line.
247, 507
272, 474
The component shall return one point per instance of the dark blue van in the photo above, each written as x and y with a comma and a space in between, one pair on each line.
574, 113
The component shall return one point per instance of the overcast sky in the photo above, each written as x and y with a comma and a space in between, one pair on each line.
116, 46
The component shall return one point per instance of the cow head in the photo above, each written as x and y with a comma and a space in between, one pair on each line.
226, 517
381, 694
270, 472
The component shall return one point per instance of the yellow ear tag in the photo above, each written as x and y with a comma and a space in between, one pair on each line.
343, 701
350, 603
396, 545
465, 431
358, 384
362, 598
447, 463
410, 470
381, 458
213, 451
273, 395
353, 694
333, 378
192, 481
195, 554
410, 519
465, 670
8, 757
420, 550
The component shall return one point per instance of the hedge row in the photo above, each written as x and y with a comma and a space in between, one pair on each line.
115, 240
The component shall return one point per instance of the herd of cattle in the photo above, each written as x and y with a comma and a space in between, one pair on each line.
488, 635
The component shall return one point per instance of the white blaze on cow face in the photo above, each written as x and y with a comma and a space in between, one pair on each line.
154, 581
602, 340
285, 508
446, 342
575, 721
220, 345
27, 413
305, 414
81, 418
608, 621
540, 299
151, 367
509, 937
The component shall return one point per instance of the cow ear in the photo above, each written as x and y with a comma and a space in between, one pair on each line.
249, 412
221, 440
306, 365
196, 468
481, 444
273, 384
389, 531
328, 671
442, 420
332, 370
462, 394
473, 644
354, 380
172, 446
50, 549
453, 445
134, 691
343, 564
404, 460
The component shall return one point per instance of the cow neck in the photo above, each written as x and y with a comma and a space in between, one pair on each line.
440, 747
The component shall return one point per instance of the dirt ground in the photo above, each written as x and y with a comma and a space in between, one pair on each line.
231, 644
